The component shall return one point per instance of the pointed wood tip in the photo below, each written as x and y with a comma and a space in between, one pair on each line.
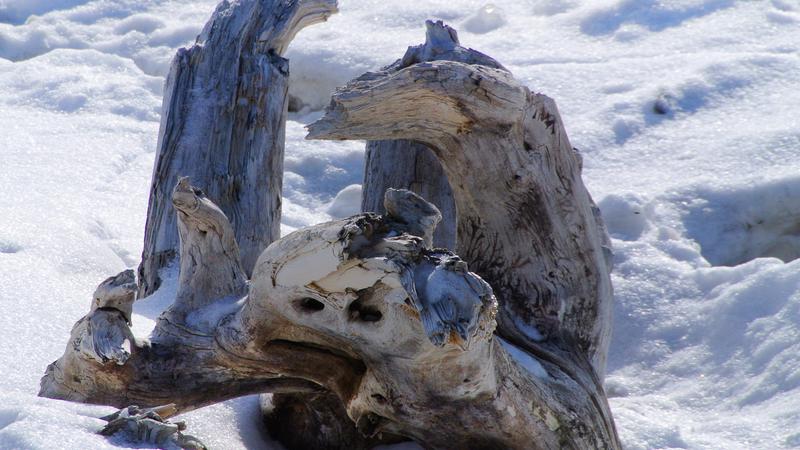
418, 216
118, 292
440, 36
304, 14
186, 197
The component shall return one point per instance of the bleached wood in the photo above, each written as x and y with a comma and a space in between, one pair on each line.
210, 267
406, 164
422, 324
526, 223
525, 219
150, 426
363, 312
193, 358
412, 214
400, 333
103, 334
223, 125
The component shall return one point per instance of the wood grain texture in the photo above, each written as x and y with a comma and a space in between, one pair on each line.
504, 348
403, 164
526, 222
223, 125
361, 311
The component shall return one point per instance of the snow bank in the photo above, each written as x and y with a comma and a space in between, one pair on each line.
146, 33
315, 173
684, 111
487, 18
18, 11
736, 224
711, 351
30, 422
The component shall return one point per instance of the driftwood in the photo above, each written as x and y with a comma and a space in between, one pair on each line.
525, 220
190, 359
223, 125
150, 426
402, 334
406, 164
503, 349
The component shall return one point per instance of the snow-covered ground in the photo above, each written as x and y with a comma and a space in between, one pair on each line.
685, 111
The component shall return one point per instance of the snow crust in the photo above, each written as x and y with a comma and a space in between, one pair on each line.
684, 111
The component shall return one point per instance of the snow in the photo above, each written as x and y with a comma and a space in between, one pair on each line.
347, 202
684, 110
486, 19
531, 364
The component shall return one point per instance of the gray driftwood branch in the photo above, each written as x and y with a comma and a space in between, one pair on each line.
401, 333
504, 348
526, 222
223, 125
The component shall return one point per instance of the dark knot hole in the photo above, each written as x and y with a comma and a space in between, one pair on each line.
309, 305
364, 313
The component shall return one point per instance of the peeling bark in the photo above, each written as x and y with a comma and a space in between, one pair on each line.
223, 125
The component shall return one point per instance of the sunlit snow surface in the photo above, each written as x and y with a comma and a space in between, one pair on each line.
706, 348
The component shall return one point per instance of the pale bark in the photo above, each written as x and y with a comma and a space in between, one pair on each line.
526, 223
364, 314
193, 358
223, 125
150, 426
401, 333
406, 164
525, 219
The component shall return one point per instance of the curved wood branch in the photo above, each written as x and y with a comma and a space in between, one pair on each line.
525, 219
210, 268
526, 222
405, 164
403, 335
400, 333
423, 326
223, 125
196, 356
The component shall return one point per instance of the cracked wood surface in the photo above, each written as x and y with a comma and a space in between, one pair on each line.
223, 125
400, 333
526, 222
363, 312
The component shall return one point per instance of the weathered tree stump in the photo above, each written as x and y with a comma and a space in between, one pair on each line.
223, 125
526, 223
504, 349
401, 333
